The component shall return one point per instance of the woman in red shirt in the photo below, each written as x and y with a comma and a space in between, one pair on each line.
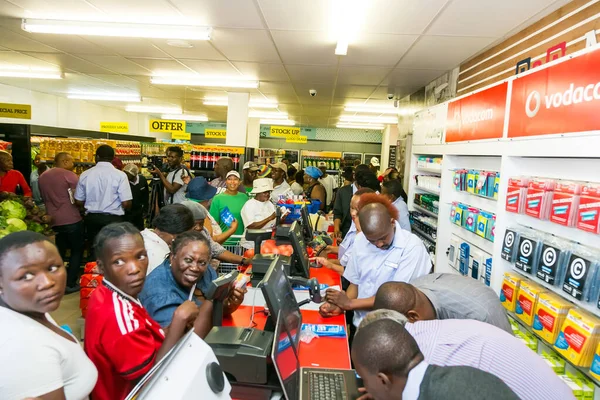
11, 178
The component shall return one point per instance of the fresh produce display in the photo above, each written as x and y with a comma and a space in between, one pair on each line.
18, 213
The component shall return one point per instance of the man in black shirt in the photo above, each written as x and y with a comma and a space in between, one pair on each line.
141, 195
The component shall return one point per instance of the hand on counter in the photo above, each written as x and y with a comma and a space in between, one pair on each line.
339, 298
328, 310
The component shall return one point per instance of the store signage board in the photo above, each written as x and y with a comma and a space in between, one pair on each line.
167, 126
116, 127
9, 110
181, 136
285, 131
296, 139
215, 133
429, 125
478, 116
563, 98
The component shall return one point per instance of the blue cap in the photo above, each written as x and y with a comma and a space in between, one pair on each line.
199, 189
313, 172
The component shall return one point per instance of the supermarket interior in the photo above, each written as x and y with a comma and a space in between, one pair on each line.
317, 199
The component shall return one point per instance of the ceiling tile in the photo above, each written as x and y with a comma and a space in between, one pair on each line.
262, 72
161, 65
306, 15
442, 52
11, 10
128, 47
245, 45
72, 63
362, 75
117, 80
358, 92
138, 11
15, 59
400, 16
323, 97
211, 68
418, 77
220, 13
312, 73
18, 42
57, 9
118, 64
202, 50
305, 47
378, 49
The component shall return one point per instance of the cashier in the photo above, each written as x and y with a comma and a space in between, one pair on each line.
185, 274
383, 252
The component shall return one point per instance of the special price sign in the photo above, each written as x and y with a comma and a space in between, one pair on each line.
479, 116
563, 98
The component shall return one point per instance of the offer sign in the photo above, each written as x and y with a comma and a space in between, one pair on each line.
478, 116
563, 98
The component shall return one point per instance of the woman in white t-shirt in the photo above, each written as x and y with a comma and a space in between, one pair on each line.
259, 212
37, 357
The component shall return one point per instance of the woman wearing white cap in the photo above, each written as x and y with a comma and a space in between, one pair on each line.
259, 212
231, 199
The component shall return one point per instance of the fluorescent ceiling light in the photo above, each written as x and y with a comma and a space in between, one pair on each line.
271, 115
347, 18
341, 48
116, 29
203, 81
368, 119
286, 122
31, 74
253, 104
185, 117
154, 109
133, 98
359, 126
371, 109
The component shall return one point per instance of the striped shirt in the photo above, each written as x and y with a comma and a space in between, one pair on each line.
479, 345
459, 297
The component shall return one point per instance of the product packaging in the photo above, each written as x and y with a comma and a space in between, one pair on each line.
471, 219
491, 232
485, 221
457, 213
227, 217
550, 314
472, 177
463, 259
556, 362
527, 299
595, 369
580, 273
516, 193
575, 387
588, 214
326, 330
508, 293
476, 263
496, 185
487, 277
565, 201
539, 198
460, 180
586, 384
552, 260
528, 339
528, 252
578, 338
454, 251
509, 245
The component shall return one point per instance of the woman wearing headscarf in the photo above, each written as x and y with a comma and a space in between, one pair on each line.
315, 190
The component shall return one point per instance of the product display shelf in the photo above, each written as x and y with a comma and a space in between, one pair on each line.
424, 211
429, 171
472, 238
421, 233
427, 190
583, 370
474, 200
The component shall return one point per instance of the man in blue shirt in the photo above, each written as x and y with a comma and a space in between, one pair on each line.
104, 192
393, 190
382, 252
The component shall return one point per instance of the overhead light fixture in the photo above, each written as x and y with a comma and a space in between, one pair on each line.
153, 109
347, 20
371, 109
132, 98
368, 119
286, 122
359, 126
31, 74
270, 115
203, 81
253, 104
185, 117
116, 29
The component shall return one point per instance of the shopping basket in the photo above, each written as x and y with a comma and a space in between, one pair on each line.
232, 245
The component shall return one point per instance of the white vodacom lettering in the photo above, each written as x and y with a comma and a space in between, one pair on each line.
573, 95
474, 116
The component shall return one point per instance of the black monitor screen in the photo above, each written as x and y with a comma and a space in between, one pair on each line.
306, 225
279, 296
285, 359
300, 256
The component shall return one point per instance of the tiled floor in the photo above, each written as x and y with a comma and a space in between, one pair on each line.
69, 313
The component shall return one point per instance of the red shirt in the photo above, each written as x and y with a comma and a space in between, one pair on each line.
121, 340
9, 182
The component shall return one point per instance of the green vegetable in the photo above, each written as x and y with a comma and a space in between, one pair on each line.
3, 223
12, 209
15, 225
34, 226
4, 232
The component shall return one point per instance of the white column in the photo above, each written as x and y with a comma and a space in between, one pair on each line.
237, 118
253, 136
390, 137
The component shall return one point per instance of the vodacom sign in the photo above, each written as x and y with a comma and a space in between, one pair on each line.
563, 98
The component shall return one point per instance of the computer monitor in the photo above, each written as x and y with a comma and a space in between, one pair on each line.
285, 359
279, 295
306, 225
300, 264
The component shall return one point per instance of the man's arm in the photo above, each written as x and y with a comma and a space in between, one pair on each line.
126, 204
348, 301
124, 192
23, 183
171, 188
261, 223
338, 215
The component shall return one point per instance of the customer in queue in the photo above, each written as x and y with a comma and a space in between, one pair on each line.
121, 338
280, 186
315, 190
298, 185
185, 274
466, 342
171, 221
223, 166
382, 252
104, 192
173, 182
11, 180
393, 190
443, 296
140, 196
329, 182
37, 357
341, 206
259, 212
231, 199
57, 187
249, 171
393, 368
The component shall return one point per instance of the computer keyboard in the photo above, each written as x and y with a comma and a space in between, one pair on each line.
327, 386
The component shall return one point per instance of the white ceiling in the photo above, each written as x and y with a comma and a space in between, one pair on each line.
402, 46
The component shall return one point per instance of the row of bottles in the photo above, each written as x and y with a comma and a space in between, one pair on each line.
206, 160
331, 163
84, 150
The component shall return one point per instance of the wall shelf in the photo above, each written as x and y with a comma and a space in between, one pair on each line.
425, 211
420, 232
424, 189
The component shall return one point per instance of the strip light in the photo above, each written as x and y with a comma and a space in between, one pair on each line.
371, 109
252, 104
31, 74
205, 82
133, 98
286, 122
116, 29
153, 109
270, 115
185, 117
358, 126
347, 19
368, 119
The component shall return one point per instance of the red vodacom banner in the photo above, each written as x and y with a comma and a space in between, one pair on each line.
562, 98
478, 116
